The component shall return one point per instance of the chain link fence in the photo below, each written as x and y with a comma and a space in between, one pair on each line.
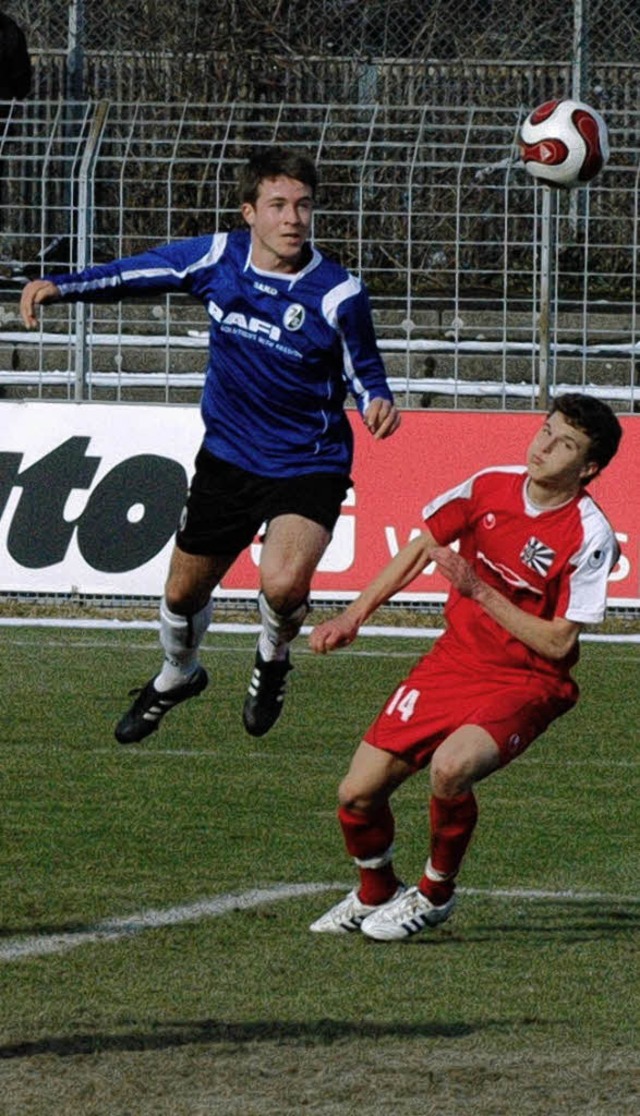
412, 111
431, 206
395, 51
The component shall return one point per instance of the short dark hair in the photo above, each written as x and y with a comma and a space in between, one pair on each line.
271, 162
596, 419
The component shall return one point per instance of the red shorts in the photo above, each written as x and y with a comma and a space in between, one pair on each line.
439, 696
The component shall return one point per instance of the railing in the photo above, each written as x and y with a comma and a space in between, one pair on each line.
430, 205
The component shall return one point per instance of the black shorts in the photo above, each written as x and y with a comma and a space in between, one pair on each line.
226, 505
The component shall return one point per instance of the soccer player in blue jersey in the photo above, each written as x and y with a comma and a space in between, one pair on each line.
290, 334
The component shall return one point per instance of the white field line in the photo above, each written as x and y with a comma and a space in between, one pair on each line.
252, 629
126, 927
114, 929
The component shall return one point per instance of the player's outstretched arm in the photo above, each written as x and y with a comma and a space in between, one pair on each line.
35, 294
552, 638
401, 570
382, 418
338, 632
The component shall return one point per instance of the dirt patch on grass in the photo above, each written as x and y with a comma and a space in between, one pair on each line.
214, 1069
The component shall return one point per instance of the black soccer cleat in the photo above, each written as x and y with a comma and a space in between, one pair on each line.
265, 696
151, 705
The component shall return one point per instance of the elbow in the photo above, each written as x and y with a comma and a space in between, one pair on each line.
559, 648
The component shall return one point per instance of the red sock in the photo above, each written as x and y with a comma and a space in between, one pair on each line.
370, 839
453, 821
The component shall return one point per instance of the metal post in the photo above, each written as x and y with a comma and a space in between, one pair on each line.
579, 53
546, 316
85, 229
76, 30
579, 76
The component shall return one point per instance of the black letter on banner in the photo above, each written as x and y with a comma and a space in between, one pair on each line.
39, 534
108, 540
9, 465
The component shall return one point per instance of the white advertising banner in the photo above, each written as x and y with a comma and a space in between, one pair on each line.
91, 494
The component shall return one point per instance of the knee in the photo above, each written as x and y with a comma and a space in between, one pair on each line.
185, 598
448, 777
358, 801
178, 601
284, 583
283, 593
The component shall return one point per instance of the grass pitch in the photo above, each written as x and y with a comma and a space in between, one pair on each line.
155, 958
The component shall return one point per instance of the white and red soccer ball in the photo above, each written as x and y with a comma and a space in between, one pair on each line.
564, 143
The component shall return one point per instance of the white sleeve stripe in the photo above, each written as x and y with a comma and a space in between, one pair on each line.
593, 561
89, 285
330, 305
336, 296
356, 384
210, 257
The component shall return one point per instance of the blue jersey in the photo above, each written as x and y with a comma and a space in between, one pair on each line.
284, 350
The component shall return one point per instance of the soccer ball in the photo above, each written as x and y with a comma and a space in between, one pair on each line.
564, 143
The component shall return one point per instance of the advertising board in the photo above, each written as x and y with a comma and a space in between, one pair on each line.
90, 495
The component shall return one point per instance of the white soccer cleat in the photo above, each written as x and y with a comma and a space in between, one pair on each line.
347, 915
405, 915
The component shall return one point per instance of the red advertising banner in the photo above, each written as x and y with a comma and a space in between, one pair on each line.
90, 495
430, 453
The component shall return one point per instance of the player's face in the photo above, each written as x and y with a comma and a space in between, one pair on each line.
558, 457
280, 222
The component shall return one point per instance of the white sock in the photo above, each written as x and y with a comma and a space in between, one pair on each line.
433, 874
278, 630
180, 637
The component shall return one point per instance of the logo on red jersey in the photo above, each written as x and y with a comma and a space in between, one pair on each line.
515, 743
489, 521
537, 556
596, 559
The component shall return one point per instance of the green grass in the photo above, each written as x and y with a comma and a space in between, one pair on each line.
521, 1004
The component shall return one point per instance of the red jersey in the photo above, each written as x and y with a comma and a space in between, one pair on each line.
548, 561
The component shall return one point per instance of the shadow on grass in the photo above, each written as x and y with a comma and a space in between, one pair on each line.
211, 1031
595, 922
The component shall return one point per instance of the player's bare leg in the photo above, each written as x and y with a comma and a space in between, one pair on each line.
468, 755
368, 830
292, 548
185, 615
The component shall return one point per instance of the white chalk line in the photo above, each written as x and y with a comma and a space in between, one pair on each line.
253, 629
126, 927
115, 929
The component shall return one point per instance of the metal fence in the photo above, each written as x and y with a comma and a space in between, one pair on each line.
430, 205
314, 50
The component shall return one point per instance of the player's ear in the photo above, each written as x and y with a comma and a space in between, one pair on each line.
248, 212
589, 470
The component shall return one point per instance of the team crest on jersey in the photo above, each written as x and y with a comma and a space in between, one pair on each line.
537, 556
489, 521
596, 559
294, 316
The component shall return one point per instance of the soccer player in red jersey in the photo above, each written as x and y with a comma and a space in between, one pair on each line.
535, 553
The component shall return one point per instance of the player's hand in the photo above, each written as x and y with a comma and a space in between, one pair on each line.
457, 570
339, 632
382, 418
34, 294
